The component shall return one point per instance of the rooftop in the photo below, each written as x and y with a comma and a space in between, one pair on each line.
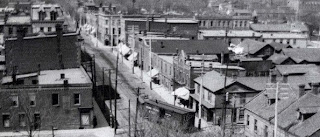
252, 46
168, 106
190, 47
306, 54
295, 27
52, 77
231, 33
19, 20
214, 81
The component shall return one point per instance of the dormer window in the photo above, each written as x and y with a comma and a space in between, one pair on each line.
53, 15
307, 112
271, 101
42, 15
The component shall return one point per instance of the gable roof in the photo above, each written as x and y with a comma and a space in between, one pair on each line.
252, 46
288, 118
190, 46
307, 54
279, 46
297, 69
256, 83
214, 81
308, 127
259, 104
278, 58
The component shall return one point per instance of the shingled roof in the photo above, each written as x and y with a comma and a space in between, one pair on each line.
208, 47
306, 54
252, 46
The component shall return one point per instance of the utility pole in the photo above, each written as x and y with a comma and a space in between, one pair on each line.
115, 96
110, 99
111, 32
276, 111
150, 63
133, 46
103, 89
141, 64
97, 29
201, 88
129, 121
137, 109
174, 83
224, 112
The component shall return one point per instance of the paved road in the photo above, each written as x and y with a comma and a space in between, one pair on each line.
127, 82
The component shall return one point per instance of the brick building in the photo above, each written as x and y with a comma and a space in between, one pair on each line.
27, 54
45, 99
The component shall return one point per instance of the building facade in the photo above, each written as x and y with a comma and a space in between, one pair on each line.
45, 17
64, 100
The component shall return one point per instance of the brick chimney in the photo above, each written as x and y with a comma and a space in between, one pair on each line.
302, 90
315, 87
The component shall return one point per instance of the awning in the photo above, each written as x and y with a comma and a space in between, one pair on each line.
154, 72
133, 56
182, 93
123, 49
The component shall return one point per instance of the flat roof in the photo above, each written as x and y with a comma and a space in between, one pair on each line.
231, 33
52, 77
19, 20
74, 76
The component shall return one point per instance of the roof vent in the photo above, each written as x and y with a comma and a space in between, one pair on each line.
62, 76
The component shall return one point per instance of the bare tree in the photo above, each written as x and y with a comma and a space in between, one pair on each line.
26, 112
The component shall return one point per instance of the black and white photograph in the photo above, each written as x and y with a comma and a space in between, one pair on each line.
159, 68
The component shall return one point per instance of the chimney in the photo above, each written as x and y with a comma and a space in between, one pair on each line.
285, 78
65, 83
21, 33
100, 8
315, 87
302, 90
59, 30
62, 76
273, 78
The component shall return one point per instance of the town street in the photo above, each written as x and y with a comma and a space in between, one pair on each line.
127, 83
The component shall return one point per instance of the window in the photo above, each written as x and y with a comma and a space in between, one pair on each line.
294, 41
15, 101
6, 120
34, 82
198, 89
241, 114
266, 131
49, 29
271, 101
53, 15
76, 97
106, 22
209, 96
113, 31
32, 98
107, 31
41, 29
204, 23
255, 125
22, 120
248, 120
119, 31
10, 30
55, 99
242, 98
36, 121
42, 15
211, 23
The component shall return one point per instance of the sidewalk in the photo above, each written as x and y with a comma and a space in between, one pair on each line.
159, 89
